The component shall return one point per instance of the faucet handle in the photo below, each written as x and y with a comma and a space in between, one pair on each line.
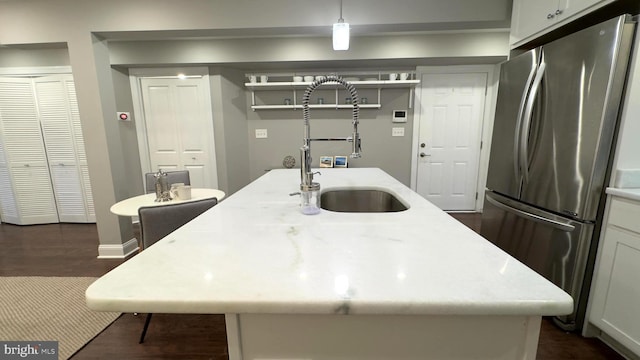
357, 148
356, 145
317, 172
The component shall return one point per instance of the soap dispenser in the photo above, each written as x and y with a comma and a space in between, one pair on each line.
310, 199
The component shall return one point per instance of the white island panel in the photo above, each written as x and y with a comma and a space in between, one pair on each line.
255, 253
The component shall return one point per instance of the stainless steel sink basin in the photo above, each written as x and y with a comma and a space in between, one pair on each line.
360, 200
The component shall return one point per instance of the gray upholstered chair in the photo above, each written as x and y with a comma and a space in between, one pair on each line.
157, 222
177, 176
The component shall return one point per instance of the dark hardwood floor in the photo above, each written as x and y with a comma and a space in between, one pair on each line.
71, 250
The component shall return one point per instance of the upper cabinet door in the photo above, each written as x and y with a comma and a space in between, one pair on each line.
529, 17
532, 19
569, 8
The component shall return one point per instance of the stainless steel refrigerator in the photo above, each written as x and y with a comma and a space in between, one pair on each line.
554, 131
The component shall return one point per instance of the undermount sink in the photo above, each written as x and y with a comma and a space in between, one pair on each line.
360, 200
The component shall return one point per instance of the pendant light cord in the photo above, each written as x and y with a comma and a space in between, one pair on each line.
341, 19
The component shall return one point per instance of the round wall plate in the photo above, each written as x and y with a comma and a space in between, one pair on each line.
289, 161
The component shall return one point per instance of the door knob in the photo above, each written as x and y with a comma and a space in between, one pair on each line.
423, 145
423, 154
550, 16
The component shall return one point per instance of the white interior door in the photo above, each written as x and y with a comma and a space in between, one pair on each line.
64, 144
449, 139
179, 127
26, 192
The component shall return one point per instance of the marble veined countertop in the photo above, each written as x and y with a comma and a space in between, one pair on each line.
256, 253
628, 193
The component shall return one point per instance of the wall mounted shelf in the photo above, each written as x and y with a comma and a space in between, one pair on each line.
294, 90
314, 106
283, 85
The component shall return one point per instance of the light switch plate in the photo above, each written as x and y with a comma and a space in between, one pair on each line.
261, 133
397, 131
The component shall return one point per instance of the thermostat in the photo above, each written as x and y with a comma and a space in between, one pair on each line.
399, 116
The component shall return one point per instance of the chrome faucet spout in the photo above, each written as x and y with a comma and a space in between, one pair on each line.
306, 175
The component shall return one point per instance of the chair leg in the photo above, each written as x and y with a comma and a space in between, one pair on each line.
144, 330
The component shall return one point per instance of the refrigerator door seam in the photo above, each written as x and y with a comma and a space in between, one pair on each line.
528, 114
518, 131
533, 217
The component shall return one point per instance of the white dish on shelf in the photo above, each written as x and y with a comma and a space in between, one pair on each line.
308, 78
297, 78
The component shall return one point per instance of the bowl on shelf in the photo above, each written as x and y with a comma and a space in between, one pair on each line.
297, 78
308, 78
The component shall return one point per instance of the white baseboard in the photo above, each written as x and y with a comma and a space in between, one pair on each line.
121, 251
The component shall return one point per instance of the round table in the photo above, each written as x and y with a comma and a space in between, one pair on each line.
130, 206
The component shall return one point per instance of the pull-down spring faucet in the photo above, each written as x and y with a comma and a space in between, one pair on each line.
306, 175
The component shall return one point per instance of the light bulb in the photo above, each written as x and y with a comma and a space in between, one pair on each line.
341, 36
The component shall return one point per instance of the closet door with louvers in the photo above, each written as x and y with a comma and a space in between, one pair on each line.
78, 142
26, 194
61, 130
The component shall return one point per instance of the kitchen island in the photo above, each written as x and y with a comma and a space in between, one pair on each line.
413, 284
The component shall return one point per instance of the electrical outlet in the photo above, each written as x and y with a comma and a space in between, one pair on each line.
261, 133
397, 131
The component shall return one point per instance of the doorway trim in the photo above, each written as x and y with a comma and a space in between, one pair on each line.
486, 127
32, 71
135, 75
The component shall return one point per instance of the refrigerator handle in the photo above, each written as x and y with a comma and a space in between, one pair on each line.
528, 114
516, 143
556, 224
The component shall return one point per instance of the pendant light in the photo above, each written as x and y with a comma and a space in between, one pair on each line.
341, 33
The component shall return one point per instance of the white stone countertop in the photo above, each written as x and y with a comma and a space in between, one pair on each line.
628, 193
256, 253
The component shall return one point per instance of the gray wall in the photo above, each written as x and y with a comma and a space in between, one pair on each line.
128, 134
87, 27
379, 148
29, 57
295, 52
56, 55
230, 128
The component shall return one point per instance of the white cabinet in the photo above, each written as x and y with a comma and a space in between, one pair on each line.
286, 94
43, 167
531, 19
615, 295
